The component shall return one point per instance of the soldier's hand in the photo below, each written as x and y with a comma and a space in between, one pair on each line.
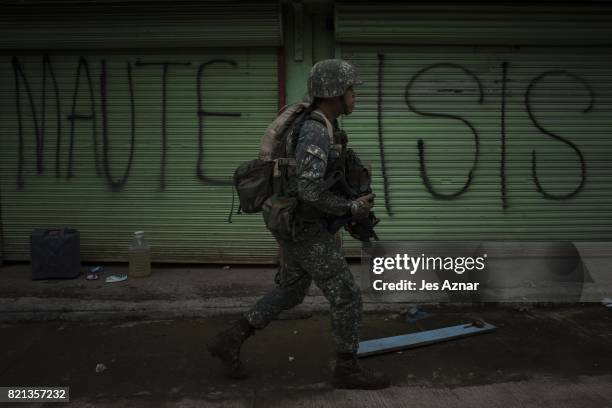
369, 199
361, 206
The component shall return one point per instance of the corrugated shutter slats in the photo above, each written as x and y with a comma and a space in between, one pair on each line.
106, 25
557, 102
438, 23
186, 221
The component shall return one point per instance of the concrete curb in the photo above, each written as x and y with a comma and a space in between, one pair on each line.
47, 309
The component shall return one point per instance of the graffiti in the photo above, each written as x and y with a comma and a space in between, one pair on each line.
23, 90
165, 66
555, 136
421, 143
102, 167
381, 144
38, 131
502, 169
116, 185
58, 116
201, 114
83, 65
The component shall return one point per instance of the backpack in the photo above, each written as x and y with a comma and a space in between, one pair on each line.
257, 180
253, 180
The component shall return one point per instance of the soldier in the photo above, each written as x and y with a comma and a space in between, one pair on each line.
313, 254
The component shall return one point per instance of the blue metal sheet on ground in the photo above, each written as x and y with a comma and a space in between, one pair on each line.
422, 338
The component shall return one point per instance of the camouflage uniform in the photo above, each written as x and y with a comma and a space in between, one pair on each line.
314, 254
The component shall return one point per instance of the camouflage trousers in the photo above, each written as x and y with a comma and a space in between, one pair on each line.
314, 256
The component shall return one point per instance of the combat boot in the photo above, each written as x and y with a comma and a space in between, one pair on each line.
349, 374
226, 345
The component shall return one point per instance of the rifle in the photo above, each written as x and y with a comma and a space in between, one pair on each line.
360, 228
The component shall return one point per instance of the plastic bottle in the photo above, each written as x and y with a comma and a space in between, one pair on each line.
140, 256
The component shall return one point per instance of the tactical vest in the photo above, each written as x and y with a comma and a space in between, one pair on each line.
336, 162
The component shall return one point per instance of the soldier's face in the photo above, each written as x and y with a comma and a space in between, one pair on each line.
349, 101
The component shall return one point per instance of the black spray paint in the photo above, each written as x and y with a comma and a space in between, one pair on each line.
58, 113
105, 170
555, 136
502, 170
165, 66
381, 144
38, 131
201, 114
421, 144
116, 185
83, 65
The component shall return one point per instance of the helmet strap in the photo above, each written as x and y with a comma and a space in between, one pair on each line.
344, 106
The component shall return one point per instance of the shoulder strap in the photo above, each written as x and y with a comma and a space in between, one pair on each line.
320, 117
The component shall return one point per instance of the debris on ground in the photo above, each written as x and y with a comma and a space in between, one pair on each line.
226, 267
415, 314
523, 307
422, 338
92, 273
92, 276
116, 278
100, 367
476, 323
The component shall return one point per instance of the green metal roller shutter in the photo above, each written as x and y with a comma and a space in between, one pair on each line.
36, 24
186, 220
483, 23
561, 81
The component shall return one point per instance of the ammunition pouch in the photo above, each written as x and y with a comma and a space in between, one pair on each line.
279, 210
280, 216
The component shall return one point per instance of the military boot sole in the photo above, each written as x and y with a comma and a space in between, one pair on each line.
364, 380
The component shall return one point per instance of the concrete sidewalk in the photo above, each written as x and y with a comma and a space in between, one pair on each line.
556, 356
172, 291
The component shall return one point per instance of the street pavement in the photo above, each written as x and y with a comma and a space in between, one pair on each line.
150, 334
557, 357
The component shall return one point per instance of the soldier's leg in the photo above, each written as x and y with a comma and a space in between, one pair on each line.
292, 286
322, 259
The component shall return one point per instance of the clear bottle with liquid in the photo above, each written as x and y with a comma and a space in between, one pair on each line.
139, 256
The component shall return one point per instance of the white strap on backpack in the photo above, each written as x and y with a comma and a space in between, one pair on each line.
330, 128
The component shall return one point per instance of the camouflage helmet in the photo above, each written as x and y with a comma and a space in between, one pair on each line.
331, 77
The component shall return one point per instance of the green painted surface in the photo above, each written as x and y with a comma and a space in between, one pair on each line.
1, 232
473, 24
130, 25
318, 43
184, 222
557, 102
187, 221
